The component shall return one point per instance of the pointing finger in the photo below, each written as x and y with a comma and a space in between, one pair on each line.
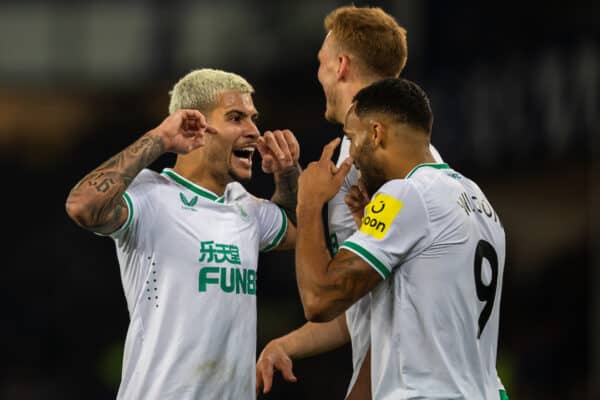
328, 150
343, 170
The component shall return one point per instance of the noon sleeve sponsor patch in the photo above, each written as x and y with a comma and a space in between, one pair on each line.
379, 215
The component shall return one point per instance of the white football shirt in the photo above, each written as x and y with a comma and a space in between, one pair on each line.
440, 247
188, 261
341, 226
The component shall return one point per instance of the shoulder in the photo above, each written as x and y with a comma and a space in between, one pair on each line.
396, 196
434, 177
236, 193
147, 183
398, 188
148, 177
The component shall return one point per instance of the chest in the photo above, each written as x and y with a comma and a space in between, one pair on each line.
195, 233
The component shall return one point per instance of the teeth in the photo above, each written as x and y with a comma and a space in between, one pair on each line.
249, 148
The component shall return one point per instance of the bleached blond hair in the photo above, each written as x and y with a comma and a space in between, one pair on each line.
198, 90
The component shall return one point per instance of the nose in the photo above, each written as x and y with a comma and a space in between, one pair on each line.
252, 131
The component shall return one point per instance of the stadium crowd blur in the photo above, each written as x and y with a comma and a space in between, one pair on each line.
515, 89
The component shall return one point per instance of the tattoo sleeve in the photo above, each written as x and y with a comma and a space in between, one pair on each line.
286, 191
327, 286
96, 202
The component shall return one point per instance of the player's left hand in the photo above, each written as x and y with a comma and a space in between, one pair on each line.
357, 200
279, 150
321, 180
273, 358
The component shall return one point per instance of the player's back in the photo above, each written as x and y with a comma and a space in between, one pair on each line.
463, 281
470, 237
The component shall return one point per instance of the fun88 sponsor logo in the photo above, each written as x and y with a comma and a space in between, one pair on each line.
229, 279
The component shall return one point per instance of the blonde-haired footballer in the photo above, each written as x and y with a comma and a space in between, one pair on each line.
188, 239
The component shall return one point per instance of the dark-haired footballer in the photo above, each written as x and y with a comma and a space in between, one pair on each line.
429, 252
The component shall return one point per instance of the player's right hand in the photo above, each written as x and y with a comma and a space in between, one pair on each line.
273, 357
183, 131
321, 180
356, 200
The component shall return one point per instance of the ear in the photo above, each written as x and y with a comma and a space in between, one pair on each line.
377, 133
343, 66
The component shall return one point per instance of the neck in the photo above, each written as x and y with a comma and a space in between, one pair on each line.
403, 159
196, 169
348, 91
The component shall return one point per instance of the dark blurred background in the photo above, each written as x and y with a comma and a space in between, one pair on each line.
515, 88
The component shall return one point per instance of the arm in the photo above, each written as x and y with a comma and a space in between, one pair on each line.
310, 339
285, 196
280, 153
289, 239
96, 202
327, 286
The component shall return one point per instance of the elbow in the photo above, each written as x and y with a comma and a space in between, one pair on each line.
318, 310
79, 212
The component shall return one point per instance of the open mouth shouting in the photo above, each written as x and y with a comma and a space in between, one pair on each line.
243, 156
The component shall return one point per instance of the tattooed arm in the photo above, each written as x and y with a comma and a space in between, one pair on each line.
96, 202
327, 286
280, 153
286, 190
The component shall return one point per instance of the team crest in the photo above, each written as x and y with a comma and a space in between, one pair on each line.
379, 215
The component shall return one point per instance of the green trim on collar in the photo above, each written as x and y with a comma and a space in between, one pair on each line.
192, 186
432, 165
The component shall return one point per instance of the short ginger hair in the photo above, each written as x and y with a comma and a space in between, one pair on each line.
371, 35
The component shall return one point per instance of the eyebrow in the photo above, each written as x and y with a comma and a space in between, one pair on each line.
243, 114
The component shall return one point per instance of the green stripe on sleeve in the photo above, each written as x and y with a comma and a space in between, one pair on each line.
130, 213
280, 234
129, 216
368, 257
503, 395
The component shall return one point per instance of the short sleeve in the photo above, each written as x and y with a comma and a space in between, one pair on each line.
130, 213
394, 229
272, 223
137, 200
